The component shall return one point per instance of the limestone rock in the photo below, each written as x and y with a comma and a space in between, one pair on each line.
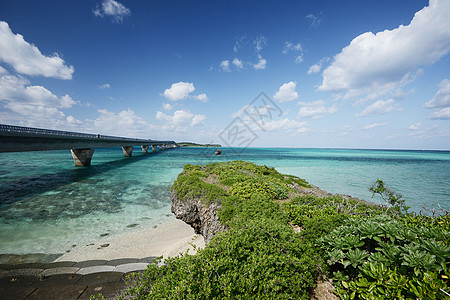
199, 215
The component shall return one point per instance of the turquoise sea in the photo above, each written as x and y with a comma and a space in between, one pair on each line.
47, 204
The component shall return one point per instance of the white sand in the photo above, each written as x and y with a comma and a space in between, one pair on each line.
166, 240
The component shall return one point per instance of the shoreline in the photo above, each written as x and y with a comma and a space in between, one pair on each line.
167, 240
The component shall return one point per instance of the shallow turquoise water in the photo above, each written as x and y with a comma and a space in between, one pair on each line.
47, 205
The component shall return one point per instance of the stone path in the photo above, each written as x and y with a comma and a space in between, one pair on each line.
68, 279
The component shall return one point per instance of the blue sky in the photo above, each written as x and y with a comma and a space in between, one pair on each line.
348, 74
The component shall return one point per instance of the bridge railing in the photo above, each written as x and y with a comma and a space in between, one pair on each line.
31, 130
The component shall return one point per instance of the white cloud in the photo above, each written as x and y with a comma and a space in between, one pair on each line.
316, 109
286, 92
260, 42
238, 64
442, 114
105, 86
181, 118
27, 59
111, 8
239, 42
125, 123
415, 126
167, 106
261, 64
72, 121
314, 69
374, 125
375, 64
299, 59
288, 46
442, 97
380, 107
317, 67
67, 102
200, 97
182, 90
16, 91
315, 20
225, 65
286, 125
179, 91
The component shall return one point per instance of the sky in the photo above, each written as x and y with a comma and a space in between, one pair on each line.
304, 74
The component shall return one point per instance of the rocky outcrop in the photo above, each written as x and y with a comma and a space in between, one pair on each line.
199, 215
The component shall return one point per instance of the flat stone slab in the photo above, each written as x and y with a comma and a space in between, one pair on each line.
58, 292
126, 268
150, 259
18, 292
90, 263
95, 269
109, 290
15, 281
121, 261
24, 272
61, 279
60, 270
98, 278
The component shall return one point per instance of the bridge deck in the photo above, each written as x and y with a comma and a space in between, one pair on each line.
19, 139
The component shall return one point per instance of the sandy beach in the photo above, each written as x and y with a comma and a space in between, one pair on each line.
167, 240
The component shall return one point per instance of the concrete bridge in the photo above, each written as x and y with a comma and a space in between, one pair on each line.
19, 139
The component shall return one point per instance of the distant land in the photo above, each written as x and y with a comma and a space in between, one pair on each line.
189, 144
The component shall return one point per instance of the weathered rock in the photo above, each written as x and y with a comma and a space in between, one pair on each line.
199, 215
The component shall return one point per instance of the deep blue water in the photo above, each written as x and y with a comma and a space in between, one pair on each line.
47, 204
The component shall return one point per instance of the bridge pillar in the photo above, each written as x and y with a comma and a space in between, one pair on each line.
127, 151
82, 157
153, 148
144, 148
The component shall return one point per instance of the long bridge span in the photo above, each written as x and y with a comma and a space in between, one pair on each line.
19, 139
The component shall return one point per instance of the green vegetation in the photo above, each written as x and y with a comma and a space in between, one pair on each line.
280, 240
189, 144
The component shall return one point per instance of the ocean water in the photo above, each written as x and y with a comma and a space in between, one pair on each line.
47, 205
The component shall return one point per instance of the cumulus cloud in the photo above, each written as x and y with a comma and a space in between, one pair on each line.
375, 64
286, 125
373, 125
238, 64
105, 86
442, 114
314, 69
181, 91
167, 106
124, 123
31, 105
316, 109
415, 126
261, 64
440, 102
200, 97
27, 59
181, 119
286, 92
442, 97
317, 67
15, 90
111, 8
225, 65
296, 48
380, 107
